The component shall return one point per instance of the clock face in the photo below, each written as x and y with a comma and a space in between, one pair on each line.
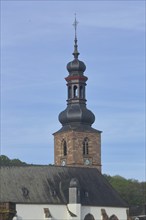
87, 161
63, 162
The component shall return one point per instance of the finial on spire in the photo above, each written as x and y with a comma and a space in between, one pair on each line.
75, 53
75, 26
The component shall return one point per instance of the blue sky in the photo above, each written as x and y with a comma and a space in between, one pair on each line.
37, 43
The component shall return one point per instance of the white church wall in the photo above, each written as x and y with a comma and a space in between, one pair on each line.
75, 209
36, 211
60, 212
96, 212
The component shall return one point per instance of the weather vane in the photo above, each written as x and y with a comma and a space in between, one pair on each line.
75, 26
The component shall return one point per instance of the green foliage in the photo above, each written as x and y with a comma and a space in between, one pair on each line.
132, 191
5, 161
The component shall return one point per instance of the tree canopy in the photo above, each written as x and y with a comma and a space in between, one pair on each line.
5, 161
131, 190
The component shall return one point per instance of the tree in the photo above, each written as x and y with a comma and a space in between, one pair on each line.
132, 191
5, 161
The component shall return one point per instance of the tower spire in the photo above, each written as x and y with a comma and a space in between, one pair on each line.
77, 143
75, 53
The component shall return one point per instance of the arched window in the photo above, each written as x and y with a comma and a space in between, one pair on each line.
69, 92
113, 217
81, 92
75, 91
89, 217
85, 147
64, 147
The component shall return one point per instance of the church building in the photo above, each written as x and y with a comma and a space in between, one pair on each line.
73, 188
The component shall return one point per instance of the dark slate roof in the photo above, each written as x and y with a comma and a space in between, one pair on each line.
49, 184
79, 128
76, 114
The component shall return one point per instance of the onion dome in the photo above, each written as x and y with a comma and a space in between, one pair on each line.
76, 65
76, 114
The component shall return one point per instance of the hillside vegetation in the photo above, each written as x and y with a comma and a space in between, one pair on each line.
5, 161
131, 190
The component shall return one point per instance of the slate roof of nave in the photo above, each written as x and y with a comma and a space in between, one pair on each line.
42, 184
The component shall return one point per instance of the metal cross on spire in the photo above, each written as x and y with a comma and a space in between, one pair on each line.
75, 53
75, 26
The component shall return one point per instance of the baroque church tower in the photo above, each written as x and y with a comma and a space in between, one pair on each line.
77, 143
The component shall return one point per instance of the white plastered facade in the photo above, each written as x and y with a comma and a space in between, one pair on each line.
63, 212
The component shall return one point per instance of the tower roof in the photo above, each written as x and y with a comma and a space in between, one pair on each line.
76, 114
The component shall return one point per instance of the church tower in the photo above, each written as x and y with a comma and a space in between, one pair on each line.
77, 143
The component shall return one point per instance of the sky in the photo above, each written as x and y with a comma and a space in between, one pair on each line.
37, 39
